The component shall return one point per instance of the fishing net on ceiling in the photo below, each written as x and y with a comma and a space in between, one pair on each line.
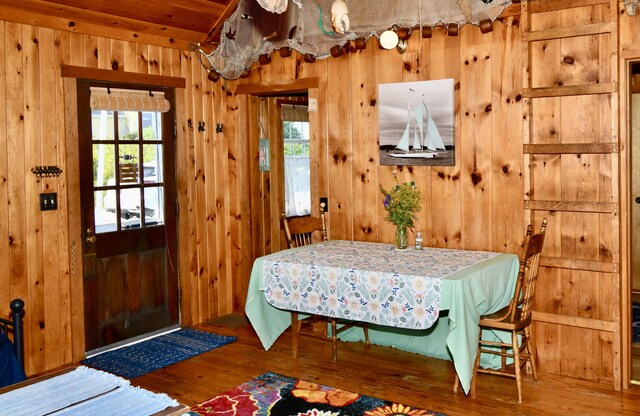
306, 26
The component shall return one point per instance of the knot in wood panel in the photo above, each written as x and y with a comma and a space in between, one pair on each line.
476, 178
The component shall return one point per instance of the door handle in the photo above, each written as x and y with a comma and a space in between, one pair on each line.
638, 200
91, 237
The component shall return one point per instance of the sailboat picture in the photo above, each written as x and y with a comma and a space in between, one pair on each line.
416, 123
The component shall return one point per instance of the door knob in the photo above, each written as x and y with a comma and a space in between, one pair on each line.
91, 237
638, 200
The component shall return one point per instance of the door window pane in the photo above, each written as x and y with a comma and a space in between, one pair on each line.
154, 206
152, 165
102, 125
151, 126
105, 218
130, 204
103, 164
128, 163
127, 125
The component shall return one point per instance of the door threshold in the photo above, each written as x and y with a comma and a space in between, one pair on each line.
132, 341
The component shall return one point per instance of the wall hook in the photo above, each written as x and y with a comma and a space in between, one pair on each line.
200, 126
46, 171
219, 127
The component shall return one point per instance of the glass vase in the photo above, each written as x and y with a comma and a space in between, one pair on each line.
401, 237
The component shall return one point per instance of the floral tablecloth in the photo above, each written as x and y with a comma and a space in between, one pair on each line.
370, 282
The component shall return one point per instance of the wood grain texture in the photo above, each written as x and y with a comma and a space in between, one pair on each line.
475, 125
41, 251
382, 372
5, 281
416, 68
364, 127
583, 280
572, 70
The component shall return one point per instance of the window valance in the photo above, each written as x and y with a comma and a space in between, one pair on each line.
111, 99
293, 112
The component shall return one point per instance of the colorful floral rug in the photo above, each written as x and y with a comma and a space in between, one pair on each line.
277, 395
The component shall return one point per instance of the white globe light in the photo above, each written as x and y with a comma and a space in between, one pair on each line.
388, 39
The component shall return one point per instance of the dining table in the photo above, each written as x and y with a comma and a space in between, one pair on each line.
426, 301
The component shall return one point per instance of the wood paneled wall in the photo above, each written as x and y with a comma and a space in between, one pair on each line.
477, 204
40, 252
462, 204
480, 202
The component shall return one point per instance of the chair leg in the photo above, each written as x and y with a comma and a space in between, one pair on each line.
295, 333
456, 383
334, 339
474, 374
516, 363
531, 349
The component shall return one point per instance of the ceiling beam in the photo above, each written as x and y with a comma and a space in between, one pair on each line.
213, 36
41, 13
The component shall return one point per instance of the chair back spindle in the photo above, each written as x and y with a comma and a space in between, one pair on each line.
301, 231
530, 266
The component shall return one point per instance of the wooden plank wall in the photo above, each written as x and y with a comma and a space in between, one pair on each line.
40, 258
478, 203
462, 203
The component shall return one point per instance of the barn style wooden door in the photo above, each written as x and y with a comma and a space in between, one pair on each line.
127, 180
571, 149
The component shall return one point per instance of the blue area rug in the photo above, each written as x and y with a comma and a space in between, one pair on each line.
636, 322
144, 357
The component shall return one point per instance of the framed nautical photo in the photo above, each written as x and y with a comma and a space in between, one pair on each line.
416, 123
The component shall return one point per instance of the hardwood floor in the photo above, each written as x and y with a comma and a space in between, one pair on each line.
381, 372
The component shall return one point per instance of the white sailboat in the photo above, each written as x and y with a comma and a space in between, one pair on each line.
425, 133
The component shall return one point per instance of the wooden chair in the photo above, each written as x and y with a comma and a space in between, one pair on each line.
302, 231
515, 318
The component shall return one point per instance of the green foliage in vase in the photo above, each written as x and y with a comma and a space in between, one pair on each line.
401, 202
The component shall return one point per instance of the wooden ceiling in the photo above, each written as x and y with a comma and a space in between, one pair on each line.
174, 23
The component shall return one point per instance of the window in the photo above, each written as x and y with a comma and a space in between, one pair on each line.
296, 168
127, 169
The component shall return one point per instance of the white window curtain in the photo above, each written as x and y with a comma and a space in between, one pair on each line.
297, 179
297, 189
112, 99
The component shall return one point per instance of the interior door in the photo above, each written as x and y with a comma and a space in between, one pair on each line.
128, 218
634, 130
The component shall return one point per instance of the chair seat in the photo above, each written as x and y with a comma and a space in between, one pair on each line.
502, 320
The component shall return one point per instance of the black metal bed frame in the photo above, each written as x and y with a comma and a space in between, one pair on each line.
15, 327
